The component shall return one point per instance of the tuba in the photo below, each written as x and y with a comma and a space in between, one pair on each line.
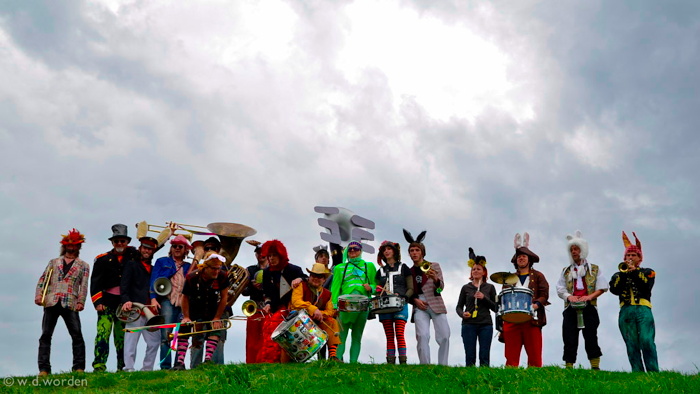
231, 235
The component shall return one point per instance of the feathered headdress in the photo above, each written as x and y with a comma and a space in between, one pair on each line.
474, 259
417, 242
632, 248
72, 238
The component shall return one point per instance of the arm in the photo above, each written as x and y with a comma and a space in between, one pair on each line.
96, 284
82, 293
298, 302
617, 283
561, 287
542, 291
44, 280
491, 299
329, 311
409, 286
335, 286
461, 301
124, 286
372, 276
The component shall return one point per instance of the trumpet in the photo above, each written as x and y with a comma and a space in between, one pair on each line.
623, 267
425, 266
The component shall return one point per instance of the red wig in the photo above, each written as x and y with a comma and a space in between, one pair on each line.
277, 248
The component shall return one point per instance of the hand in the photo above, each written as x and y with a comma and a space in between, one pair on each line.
317, 316
572, 298
432, 275
79, 306
367, 287
479, 295
585, 298
100, 308
535, 306
420, 304
185, 320
466, 315
155, 304
127, 306
198, 252
37, 301
172, 226
217, 324
266, 308
296, 282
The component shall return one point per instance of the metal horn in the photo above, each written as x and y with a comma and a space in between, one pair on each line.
162, 286
136, 311
231, 235
249, 308
425, 266
623, 267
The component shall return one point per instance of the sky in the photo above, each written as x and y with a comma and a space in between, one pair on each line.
471, 120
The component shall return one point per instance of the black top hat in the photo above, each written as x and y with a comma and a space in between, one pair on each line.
119, 231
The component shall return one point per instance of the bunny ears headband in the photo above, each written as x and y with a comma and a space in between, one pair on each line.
522, 243
632, 248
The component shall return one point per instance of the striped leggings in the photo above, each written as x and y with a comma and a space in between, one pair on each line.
395, 328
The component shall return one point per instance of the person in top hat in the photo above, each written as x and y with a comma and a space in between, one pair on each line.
62, 290
579, 285
174, 268
254, 290
394, 278
203, 299
105, 291
354, 276
633, 286
529, 333
427, 302
135, 288
312, 297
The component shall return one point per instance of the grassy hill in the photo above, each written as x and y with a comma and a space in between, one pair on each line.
328, 377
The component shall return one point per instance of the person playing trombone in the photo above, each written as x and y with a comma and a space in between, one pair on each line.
62, 290
203, 300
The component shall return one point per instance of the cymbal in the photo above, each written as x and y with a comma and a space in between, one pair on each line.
504, 278
231, 229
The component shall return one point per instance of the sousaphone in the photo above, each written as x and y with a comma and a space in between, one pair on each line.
231, 235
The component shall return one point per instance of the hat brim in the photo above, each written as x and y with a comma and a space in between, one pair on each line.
523, 250
318, 273
120, 236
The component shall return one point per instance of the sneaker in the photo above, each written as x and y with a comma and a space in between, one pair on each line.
178, 367
43, 374
79, 370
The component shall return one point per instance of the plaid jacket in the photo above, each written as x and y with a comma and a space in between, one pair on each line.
433, 298
70, 289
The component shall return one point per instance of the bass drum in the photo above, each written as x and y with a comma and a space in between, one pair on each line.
299, 336
516, 305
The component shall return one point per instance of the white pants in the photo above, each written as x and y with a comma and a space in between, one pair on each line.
442, 335
131, 340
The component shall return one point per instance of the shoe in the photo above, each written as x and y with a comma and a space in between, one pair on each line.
43, 374
79, 370
402, 359
178, 367
336, 359
129, 370
391, 360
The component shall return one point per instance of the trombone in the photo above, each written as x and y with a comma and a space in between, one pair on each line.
225, 322
47, 282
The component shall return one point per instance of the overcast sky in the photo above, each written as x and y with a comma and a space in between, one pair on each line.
471, 120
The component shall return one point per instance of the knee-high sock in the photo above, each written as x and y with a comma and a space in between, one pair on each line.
182, 343
332, 351
389, 332
400, 337
212, 342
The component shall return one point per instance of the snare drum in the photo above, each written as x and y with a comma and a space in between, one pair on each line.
387, 304
516, 304
300, 337
353, 303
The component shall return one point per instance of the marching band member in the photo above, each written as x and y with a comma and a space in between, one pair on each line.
401, 283
316, 300
203, 299
427, 302
321, 256
353, 276
580, 283
278, 280
62, 290
135, 288
476, 301
254, 290
176, 269
633, 285
105, 292
529, 333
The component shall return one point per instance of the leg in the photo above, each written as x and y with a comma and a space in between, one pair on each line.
400, 324
171, 315
532, 340
422, 320
346, 321
212, 343
152, 339
48, 324
197, 351
630, 333
253, 337
388, 325
513, 337
485, 335
104, 329
590, 333
469, 341
647, 332
118, 326
569, 333
218, 357
131, 340
357, 329
442, 336
72, 320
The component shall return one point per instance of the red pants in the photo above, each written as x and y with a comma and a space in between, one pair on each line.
253, 337
270, 351
517, 335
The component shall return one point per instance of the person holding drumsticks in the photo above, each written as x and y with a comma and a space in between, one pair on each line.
528, 333
316, 300
476, 301
203, 299
352, 277
401, 284
579, 285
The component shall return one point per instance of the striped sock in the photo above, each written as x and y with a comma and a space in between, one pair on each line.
400, 337
389, 331
182, 343
212, 343
331, 351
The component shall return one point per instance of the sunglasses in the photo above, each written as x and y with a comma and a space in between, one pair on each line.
178, 246
318, 276
120, 241
208, 248
354, 249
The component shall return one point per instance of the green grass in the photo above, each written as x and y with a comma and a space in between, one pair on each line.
329, 377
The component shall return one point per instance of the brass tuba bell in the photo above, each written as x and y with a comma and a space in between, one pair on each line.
231, 235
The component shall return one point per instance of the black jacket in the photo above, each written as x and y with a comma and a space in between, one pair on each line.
107, 273
135, 283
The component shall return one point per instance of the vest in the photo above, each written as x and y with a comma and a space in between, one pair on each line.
322, 299
589, 279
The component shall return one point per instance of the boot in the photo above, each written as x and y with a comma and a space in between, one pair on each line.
391, 359
595, 364
402, 359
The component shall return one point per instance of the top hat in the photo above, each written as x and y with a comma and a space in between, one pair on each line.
119, 231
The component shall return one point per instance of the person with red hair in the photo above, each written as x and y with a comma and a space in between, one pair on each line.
278, 280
